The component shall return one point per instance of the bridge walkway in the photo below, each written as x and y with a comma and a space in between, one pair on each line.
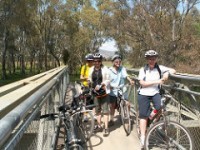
117, 139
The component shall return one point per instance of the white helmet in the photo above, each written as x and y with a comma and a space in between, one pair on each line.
150, 53
97, 56
89, 57
116, 57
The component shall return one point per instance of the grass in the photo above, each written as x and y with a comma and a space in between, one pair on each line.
10, 78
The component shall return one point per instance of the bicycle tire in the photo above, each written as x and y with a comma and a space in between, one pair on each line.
138, 124
76, 147
84, 128
173, 135
125, 117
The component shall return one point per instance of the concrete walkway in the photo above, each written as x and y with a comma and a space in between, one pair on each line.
117, 140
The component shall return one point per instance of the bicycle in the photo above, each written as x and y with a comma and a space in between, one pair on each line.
124, 110
164, 133
78, 131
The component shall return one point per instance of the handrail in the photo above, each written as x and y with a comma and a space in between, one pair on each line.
9, 101
14, 117
184, 76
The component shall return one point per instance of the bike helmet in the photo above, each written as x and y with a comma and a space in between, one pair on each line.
150, 53
116, 57
97, 56
89, 57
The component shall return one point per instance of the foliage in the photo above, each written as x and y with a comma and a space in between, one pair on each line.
43, 33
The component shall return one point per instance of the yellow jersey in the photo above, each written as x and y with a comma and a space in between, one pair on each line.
85, 72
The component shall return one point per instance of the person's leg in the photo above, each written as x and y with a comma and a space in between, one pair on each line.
105, 111
112, 104
144, 111
143, 126
105, 117
157, 101
98, 114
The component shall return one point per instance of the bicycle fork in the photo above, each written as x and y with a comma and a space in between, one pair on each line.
71, 139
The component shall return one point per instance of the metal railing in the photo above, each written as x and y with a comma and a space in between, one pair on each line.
185, 107
21, 129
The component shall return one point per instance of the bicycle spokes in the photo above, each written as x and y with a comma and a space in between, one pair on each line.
170, 136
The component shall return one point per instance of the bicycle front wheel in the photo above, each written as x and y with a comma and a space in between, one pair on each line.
84, 124
137, 122
76, 147
170, 135
125, 117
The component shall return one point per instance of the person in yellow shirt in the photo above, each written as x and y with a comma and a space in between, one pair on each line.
85, 69
84, 79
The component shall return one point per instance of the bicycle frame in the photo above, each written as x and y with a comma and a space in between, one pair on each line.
124, 112
169, 134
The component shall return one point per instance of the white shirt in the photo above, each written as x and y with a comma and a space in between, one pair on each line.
105, 75
151, 75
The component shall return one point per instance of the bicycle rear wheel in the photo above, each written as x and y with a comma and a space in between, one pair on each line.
84, 124
168, 136
125, 117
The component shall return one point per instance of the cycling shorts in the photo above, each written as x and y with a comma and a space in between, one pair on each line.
144, 104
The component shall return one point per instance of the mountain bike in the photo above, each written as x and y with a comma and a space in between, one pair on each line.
164, 133
123, 107
77, 130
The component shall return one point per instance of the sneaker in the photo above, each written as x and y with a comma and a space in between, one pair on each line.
98, 128
85, 118
106, 132
111, 123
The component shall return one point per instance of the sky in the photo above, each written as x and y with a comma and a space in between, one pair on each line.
109, 46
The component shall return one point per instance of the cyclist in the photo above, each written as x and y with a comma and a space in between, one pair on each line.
85, 69
150, 78
118, 75
84, 77
99, 80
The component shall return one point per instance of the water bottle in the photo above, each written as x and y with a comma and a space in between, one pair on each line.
154, 111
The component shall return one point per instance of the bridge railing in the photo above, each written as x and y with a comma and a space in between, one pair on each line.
185, 105
21, 129
23, 103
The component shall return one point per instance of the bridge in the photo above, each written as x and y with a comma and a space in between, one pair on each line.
22, 102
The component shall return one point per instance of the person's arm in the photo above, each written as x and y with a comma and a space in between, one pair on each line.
130, 80
150, 83
166, 74
144, 83
127, 76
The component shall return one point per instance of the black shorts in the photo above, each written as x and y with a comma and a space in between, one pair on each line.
112, 99
144, 104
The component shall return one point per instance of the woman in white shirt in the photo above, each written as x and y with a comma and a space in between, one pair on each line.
150, 77
99, 80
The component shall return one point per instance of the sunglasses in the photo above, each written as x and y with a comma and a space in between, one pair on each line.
97, 61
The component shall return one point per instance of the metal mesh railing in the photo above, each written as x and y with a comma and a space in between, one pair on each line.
185, 107
33, 133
